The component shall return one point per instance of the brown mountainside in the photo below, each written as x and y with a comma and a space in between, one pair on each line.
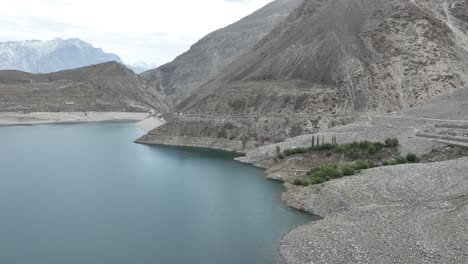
103, 87
330, 62
213, 53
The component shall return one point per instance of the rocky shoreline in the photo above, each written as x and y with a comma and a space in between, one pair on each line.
397, 214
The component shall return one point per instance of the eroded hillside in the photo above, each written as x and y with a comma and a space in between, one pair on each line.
103, 87
327, 64
209, 56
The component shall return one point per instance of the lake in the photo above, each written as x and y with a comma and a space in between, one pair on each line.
86, 194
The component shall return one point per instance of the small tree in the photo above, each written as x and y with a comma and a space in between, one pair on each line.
278, 150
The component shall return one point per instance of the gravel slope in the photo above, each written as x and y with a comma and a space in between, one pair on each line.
400, 214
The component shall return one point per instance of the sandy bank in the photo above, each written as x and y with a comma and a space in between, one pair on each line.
150, 123
68, 117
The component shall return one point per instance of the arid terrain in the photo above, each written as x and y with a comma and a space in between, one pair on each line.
295, 71
411, 213
104, 87
329, 63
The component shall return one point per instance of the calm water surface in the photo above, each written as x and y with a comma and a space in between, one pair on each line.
85, 194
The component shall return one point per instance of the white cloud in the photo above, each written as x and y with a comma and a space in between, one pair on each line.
154, 31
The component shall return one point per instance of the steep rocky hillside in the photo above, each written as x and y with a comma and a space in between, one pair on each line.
330, 62
103, 87
213, 53
37, 56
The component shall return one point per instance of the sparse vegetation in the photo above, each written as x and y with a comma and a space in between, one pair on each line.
294, 151
400, 159
392, 142
371, 149
328, 172
364, 155
412, 158
355, 150
348, 171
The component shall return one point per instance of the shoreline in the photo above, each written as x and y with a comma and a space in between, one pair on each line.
349, 208
381, 195
143, 121
37, 118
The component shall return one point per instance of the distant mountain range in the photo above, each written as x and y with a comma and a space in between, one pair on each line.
37, 56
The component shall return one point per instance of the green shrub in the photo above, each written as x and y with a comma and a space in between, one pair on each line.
354, 154
386, 163
379, 146
392, 142
312, 171
371, 149
340, 149
348, 171
294, 151
400, 160
319, 174
327, 146
412, 158
280, 156
300, 182
317, 180
361, 165
388, 142
336, 173
347, 147
364, 144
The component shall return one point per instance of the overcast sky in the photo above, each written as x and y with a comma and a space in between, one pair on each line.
154, 31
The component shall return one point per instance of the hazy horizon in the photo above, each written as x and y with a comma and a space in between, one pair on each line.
154, 32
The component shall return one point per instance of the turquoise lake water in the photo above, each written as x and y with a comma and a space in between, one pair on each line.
86, 194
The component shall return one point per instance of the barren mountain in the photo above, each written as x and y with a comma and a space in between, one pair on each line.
330, 62
103, 87
213, 53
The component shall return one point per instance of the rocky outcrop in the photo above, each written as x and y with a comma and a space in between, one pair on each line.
213, 53
335, 61
103, 87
